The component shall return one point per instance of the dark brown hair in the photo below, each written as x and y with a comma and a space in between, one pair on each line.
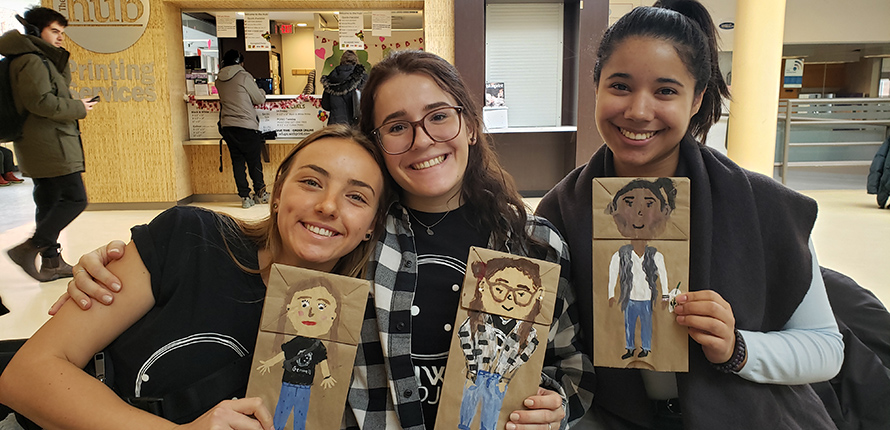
484, 271
688, 26
486, 186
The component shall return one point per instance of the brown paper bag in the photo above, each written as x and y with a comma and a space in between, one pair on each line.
640, 262
509, 300
311, 325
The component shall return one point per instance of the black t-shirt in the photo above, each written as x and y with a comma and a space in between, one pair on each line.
207, 309
301, 354
441, 264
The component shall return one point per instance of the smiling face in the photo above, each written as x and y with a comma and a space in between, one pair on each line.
639, 214
644, 101
327, 203
312, 312
430, 173
54, 34
510, 293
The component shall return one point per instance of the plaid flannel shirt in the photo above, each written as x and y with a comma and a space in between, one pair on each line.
384, 392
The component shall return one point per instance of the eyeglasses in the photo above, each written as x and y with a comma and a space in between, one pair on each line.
522, 295
441, 125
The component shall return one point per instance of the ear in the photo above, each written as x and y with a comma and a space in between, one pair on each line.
696, 103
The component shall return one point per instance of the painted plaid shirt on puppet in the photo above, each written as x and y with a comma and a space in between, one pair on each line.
384, 393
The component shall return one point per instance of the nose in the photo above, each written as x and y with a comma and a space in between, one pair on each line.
328, 205
640, 108
422, 139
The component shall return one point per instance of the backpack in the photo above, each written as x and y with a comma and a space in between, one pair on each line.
11, 120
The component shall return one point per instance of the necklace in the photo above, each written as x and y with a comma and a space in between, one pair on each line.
429, 228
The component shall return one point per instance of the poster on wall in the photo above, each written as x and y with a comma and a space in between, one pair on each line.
793, 73
381, 23
290, 118
352, 31
256, 31
225, 24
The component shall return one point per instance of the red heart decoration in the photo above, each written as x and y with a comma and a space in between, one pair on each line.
320, 53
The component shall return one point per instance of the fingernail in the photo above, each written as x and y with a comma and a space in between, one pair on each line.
511, 426
106, 299
529, 403
114, 251
115, 287
514, 417
681, 298
84, 303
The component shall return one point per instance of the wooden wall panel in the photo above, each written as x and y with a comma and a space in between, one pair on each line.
203, 163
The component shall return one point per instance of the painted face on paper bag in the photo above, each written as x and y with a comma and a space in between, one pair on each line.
313, 312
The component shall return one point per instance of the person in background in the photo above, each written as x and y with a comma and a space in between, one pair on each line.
7, 166
238, 93
341, 90
49, 150
757, 310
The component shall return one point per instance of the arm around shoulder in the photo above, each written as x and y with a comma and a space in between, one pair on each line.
44, 381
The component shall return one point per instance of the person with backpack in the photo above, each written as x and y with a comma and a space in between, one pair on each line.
49, 149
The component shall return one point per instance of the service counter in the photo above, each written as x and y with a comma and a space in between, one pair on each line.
292, 117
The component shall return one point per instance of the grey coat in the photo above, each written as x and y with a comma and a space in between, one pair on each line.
50, 144
238, 93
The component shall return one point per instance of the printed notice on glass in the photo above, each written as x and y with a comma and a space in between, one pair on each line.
352, 37
256, 31
225, 24
381, 23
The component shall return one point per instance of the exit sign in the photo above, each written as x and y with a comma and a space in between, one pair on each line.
286, 28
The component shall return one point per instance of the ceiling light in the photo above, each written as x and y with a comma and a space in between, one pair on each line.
301, 24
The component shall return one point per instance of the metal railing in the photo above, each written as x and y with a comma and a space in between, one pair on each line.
831, 132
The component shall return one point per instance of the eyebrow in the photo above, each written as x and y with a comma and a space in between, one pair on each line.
353, 182
402, 112
622, 75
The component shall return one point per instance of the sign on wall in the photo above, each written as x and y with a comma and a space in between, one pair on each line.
793, 73
104, 26
352, 31
256, 31
226, 24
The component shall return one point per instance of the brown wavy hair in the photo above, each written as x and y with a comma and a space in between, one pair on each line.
486, 186
264, 234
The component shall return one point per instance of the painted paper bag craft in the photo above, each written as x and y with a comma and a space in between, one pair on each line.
640, 264
498, 350
306, 346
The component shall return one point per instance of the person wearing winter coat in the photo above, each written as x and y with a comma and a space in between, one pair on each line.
341, 90
49, 150
879, 174
240, 126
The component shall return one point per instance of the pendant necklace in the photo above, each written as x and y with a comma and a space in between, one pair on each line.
429, 228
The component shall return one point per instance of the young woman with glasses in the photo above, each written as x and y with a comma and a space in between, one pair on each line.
453, 195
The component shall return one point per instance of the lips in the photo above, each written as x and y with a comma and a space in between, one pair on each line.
429, 163
507, 309
636, 136
321, 231
309, 323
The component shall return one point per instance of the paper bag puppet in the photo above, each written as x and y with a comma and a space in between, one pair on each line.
498, 350
640, 264
306, 346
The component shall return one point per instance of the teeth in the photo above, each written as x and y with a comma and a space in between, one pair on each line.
429, 163
319, 231
636, 136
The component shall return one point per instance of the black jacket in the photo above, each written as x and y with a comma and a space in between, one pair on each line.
341, 95
879, 174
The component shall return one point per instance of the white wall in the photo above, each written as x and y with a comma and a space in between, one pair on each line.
836, 21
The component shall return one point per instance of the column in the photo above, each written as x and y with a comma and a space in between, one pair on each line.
756, 70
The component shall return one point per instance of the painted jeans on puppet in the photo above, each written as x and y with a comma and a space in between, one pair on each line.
492, 398
641, 309
294, 397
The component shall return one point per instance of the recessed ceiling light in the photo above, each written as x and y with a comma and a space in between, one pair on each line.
727, 25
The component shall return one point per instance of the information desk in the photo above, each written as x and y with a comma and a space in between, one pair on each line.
292, 117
